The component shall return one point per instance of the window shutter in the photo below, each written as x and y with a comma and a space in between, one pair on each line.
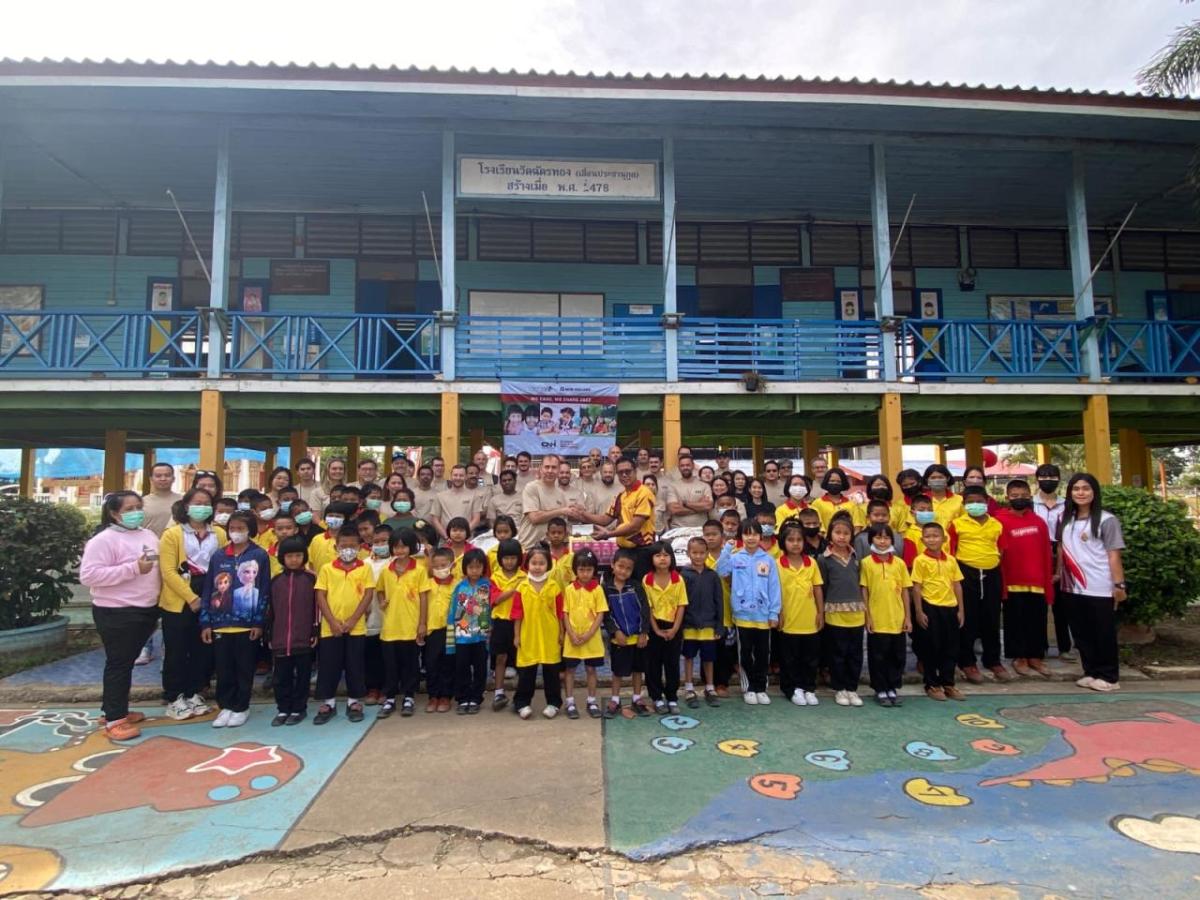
775, 244
157, 234
390, 236
505, 240
611, 242
331, 236
935, 246
1143, 251
260, 234
32, 231
1042, 249
1183, 251
836, 245
557, 240
993, 248
90, 232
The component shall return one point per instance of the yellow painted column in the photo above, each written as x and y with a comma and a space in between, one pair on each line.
1134, 470
451, 429
28, 481
1151, 468
476, 440
812, 446
672, 429
1097, 438
297, 446
270, 461
114, 460
353, 451
939, 454
1042, 454
831, 457
757, 454
891, 436
147, 465
212, 431
973, 444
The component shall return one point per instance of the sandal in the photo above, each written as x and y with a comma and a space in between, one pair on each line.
324, 714
692, 700
354, 712
593, 709
388, 707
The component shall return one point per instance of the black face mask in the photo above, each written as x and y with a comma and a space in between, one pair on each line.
811, 530
1019, 503
912, 490
835, 487
1048, 487
879, 493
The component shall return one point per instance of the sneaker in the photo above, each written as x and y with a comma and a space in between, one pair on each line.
179, 709
525, 712
122, 730
841, 698
751, 698
710, 697
854, 699
1001, 674
612, 709
692, 700
143, 658
463, 709
593, 709
973, 675
639, 707
354, 712
883, 699
550, 712
472, 708
222, 718
198, 704
280, 719
407, 708
295, 718
764, 699
673, 707
386, 709
238, 719
953, 693
798, 697
1104, 687
499, 702
1084, 682
933, 692
811, 699
660, 706
572, 711
510, 672
896, 701
324, 714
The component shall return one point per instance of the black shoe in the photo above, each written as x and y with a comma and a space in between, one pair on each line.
463, 709
386, 709
408, 707
710, 697
896, 701
354, 712
572, 712
640, 707
324, 714
612, 709
499, 702
295, 718
593, 709
473, 708
692, 700
280, 719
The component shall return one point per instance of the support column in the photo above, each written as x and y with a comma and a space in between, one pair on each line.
939, 454
353, 453
1041, 454
832, 458
297, 446
812, 449
147, 465
451, 429
218, 292
270, 461
973, 445
1081, 263
1097, 438
449, 290
114, 460
672, 429
385, 464
891, 436
882, 238
212, 431
1135, 472
670, 279
27, 484
757, 454
476, 440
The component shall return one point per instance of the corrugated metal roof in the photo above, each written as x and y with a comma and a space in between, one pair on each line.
192, 69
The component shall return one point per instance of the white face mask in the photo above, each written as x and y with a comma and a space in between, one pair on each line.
538, 579
797, 492
267, 514
221, 518
239, 537
442, 573
885, 551
334, 522
347, 554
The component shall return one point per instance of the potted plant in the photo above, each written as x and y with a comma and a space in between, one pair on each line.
40, 545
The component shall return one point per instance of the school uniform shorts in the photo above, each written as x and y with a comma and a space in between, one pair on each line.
706, 649
627, 660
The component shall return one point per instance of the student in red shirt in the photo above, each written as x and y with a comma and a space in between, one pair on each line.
1027, 567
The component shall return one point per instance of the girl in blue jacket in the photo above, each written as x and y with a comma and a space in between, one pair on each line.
756, 599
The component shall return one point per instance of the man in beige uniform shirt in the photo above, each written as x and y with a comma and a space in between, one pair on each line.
506, 501
576, 494
157, 504
526, 474
773, 483
541, 501
689, 500
310, 489
457, 500
425, 505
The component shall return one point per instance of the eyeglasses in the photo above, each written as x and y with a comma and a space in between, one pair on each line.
209, 472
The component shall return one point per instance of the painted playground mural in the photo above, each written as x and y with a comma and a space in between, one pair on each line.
79, 811
1062, 793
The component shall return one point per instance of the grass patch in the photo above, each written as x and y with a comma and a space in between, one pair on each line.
79, 640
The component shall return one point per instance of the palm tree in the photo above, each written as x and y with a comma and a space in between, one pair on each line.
1068, 457
1175, 69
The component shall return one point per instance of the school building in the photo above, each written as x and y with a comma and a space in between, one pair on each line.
269, 255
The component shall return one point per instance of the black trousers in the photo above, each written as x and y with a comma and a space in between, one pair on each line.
754, 653
846, 656
662, 665
470, 671
1025, 625
527, 684
1094, 625
938, 644
727, 657
981, 616
374, 676
337, 655
798, 658
885, 660
642, 564
401, 667
187, 660
123, 630
439, 668
292, 674
235, 655
1062, 625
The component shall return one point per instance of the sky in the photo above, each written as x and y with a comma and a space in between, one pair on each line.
1082, 44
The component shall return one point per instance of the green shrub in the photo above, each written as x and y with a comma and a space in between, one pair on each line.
1162, 554
40, 545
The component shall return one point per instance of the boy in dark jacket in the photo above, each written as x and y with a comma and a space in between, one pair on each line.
702, 621
293, 626
628, 625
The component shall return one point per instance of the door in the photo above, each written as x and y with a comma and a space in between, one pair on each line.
163, 295
383, 344
1180, 347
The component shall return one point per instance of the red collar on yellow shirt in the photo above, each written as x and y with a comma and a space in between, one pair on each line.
338, 564
590, 586
884, 560
792, 504
649, 579
412, 564
940, 555
783, 561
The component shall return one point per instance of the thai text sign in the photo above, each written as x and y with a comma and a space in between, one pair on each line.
557, 179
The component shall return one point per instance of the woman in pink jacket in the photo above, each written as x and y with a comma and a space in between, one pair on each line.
120, 565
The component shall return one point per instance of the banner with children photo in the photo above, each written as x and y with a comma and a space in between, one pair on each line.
566, 418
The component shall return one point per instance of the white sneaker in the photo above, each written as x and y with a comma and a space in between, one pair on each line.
751, 698
1085, 682
510, 672
841, 698
525, 712
1104, 687
550, 712
763, 699
198, 704
798, 697
237, 719
143, 658
222, 718
853, 697
811, 698
179, 709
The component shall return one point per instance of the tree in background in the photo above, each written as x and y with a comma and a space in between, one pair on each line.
1175, 71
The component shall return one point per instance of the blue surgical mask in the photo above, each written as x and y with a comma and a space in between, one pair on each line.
374, 503
924, 516
768, 530
381, 550
244, 505
133, 519
199, 512
334, 522
285, 505
975, 509
402, 506
304, 518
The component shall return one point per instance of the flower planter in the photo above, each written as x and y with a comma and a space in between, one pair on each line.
48, 635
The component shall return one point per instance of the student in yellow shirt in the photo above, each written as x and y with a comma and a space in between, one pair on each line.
344, 591
403, 597
439, 668
561, 559
977, 541
937, 599
537, 614
584, 606
886, 590
265, 512
322, 550
835, 483
667, 596
508, 580
503, 529
458, 530
947, 506
285, 527
801, 618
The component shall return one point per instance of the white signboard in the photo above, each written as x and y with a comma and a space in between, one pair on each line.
557, 179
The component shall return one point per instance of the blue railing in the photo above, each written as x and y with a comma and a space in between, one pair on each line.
1149, 350
627, 349
937, 349
781, 349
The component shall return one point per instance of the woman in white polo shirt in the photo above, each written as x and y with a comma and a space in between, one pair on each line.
1091, 580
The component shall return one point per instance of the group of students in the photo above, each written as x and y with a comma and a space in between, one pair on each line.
793, 587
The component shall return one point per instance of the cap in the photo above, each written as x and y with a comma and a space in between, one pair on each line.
399, 454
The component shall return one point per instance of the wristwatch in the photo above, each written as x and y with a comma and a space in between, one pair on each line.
1119, 584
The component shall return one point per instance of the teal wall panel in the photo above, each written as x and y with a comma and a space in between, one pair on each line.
619, 284
85, 282
1131, 299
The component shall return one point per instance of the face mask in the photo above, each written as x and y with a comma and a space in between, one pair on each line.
221, 518
730, 535
239, 537
883, 551
538, 579
811, 530
334, 522
1048, 486
975, 509
285, 505
268, 514
381, 550
304, 518
347, 554
374, 503
879, 493
768, 531
937, 484
443, 573
924, 516
133, 519
243, 506
912, 490
797, 492
1019, 503
835, 487
199, 513
402, 506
